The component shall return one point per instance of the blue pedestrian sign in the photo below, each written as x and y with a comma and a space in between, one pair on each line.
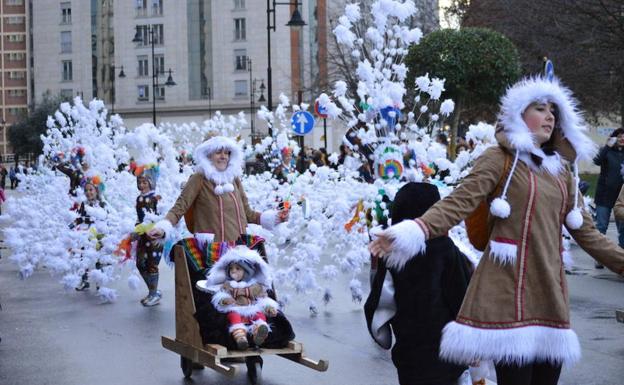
302, 122
549, 70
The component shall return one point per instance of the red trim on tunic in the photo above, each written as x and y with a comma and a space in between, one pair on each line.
222, 224
505, 240
564, 204
526, 323
423, 227
238, 216
525, 246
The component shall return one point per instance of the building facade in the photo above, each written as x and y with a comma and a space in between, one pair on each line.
216, 51
14, 59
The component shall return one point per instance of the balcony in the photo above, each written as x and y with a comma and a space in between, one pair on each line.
14, 45
8, 82
9, 27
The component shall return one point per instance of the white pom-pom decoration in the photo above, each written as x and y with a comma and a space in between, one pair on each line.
574, 219
219, 190
500, 208
134, 282
228, 187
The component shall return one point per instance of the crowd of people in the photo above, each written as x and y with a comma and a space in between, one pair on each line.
445, 314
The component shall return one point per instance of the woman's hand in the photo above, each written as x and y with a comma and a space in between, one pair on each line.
156, 233
381, 246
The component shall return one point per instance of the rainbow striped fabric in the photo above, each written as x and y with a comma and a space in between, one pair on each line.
202, 259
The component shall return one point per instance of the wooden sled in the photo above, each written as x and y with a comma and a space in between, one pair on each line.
195, 355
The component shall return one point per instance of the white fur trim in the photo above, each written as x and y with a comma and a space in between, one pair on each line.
500, 208
253, 324
268, 219
204, 165
464, 344
574, 219
236, 327
217, 274
165, 226
267, 302
536, 89
503, 252
202, 285
385, 311
551, 163
408, 240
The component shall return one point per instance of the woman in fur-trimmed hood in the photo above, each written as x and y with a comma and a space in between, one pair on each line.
213, 200
516, 309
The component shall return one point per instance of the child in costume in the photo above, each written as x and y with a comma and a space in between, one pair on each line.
240, 280
92, 190
148, 251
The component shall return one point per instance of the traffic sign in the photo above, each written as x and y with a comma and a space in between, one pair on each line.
549, 70
302, 122
391, 115
320, 111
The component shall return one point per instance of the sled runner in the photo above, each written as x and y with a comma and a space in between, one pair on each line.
194, 354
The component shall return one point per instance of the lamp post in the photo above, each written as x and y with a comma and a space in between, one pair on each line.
295, 21
252, 95
121, 75
138, 38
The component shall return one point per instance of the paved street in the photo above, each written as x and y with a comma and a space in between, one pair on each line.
53, 337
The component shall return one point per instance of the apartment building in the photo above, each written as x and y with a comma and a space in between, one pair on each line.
215, 51
14, 60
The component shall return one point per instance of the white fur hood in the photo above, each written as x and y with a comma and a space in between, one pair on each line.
204, 165
571, 142
217, 274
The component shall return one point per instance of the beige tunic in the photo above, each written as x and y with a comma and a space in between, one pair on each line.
522, 281
226, 216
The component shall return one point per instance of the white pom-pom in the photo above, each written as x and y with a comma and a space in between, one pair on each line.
574, 219
500, 208
134, 282
219, 189
228, 187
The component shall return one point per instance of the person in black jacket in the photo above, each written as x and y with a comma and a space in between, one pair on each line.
428, 293
610, 159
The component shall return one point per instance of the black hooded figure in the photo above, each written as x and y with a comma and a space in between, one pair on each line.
428, 293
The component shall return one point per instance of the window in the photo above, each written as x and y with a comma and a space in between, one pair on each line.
16, 93
14, 2
66, 42
158, 34
157, 7
15, 20
239, 4
66, 13
16, 75
141, 8
239, 29
240, 59
159, 93
67, 93
159, 63
143, 92
143, 31
68, 73
143, 66
16, 111
16, 56
240, 88
15, 38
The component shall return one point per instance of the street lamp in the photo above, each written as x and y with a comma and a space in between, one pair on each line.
295, 22
252, 95
121, 75
138, 38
